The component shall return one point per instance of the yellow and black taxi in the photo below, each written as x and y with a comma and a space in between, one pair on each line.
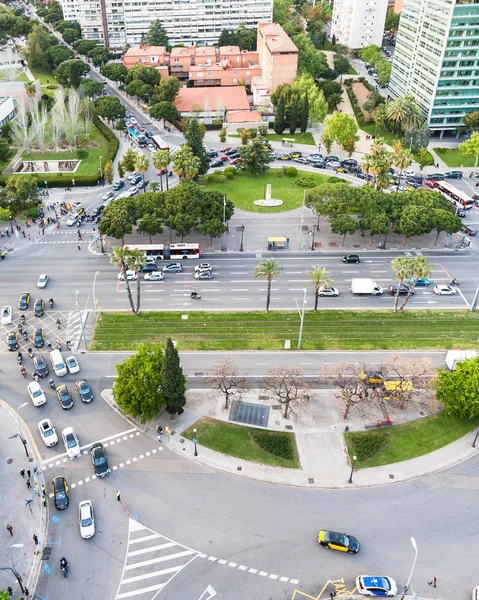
372, 377
295, 154
38, 307
285, 157
12, 341
24, 301
38, 338
64, 397
338, 541
60, 492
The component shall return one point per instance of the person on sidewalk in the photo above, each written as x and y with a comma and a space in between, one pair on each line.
29, 485
35, 539
10, 529
433, 582
29, 473
44, 501
118, 497
22, 473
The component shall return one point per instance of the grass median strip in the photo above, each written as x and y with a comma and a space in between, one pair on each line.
245, 442
257, 330
409, 440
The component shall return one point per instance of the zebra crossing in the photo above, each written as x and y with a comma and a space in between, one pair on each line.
152, 560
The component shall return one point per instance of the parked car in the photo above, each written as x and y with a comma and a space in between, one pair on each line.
468, 230
314, 157
47, 433
453, 175
6, 315
295, 154
216, 163
60, 492
230, 151
333, 164
331, 158
86, 519
212, 153
302, 161
225, 149
376, 585
350, 258
319, 164
224, 159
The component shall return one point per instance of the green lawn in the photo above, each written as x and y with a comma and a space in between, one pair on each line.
430, 162
388, 136
300, 138
257, 330
98, 147
21, 76
235, 440
245, 188
453, 157
45, 77
415, 438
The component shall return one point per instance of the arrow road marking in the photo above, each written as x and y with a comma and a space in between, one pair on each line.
209, 590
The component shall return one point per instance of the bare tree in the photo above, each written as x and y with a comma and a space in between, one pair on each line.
347, 378
58, 118
225, 378
39, 122
21, 131
72, 121
288, 388
10, 65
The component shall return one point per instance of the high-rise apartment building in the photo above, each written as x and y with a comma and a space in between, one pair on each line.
191, 22
437, 59
359, 23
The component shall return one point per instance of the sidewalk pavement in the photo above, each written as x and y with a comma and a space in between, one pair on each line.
26, 520
320, 441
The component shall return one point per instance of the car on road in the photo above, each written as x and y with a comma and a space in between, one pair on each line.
42, 281
40, 365
468, 230
436, 177
173, 268
325, 290
148, 268
295, 154
86, 519
132, 176
6, 315
453, 175
162, 171
38, 338
64, 396
376, 585
403, 289
130, 275
135, 180
149, 134
314, 157
38, 307
420, 281
72, 364
72, 220
132, 191
107, 195
338, 541
333, 164
372, 377
60, 492
235, 155
37, 395
225, 149
77, 206
203, 267
143, 185
351, 258
285, 157
331, 158
430, 183
12, 341
461, 213
445, 290
133, 121
350, 162
154, 276
212, 153
216, 163
70, 440
98, 210
230, 151
203, 275
47, 433
341, 169
118, 185
24, 301
99, 460
301, 161
86, 395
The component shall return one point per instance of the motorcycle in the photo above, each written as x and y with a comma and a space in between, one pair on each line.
454, 282
19, 358
22, 319
51, 383
195, 296
64, 566
36, 376
25, 335
51, 303
23, 371
30, 352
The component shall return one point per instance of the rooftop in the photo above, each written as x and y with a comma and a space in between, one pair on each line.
244, 116
212, 98
277, 41
145, 51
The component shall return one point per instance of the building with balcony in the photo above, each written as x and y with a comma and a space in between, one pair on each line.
437, 60
277, 56
211, 103
359, 23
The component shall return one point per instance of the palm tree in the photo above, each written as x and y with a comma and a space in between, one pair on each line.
414, 117
418, 268
402, 267
267, 269
185, 164
161, 160
318, 278
125, 258
397, 111
30, 89
381, 161
141, 165
366, 165
402, 159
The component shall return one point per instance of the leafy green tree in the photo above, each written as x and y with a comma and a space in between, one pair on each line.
100, 55
457, 390
268, 269
116, 221
222, 134
173, 383
255, 158
242, 36
59, 54
384, 72
141, 165
392, 19
444, 220
5, 214
371, 54
150, 224
39, 43
471, 120
84, 46
341, 66
148, 75
185, 164
280, 10
373, 100
279, 118
128, 159
342, 129
134, 87
166, 90
108, 172
304, 113
22, 191
214, 228
4, 149
71, 35
157, 35
471, 147
423, 158
332, 91
164, 110
310, 60
414, 221
318, 277
342, 225
138, 386
109, 108
54, 12
70, 72
194, 138
91, 87
114, 71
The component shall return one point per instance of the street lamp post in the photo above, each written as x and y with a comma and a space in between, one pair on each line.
20, 435
312, 241
475, 439
94, 281
300, 339
406, 587
350, 480
195, 441
223, 245
242, 233
11, 222
101, 170
301, 226
14, 570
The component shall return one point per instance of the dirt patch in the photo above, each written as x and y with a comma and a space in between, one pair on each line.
361, 92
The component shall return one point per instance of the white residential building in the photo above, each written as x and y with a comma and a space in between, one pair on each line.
191, 22
359, 23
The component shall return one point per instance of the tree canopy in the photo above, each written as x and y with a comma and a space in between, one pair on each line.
157, 35
457, 390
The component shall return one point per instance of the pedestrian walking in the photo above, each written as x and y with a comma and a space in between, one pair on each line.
433, 582
29, 238
118, 497
43, 490
35, 539
79, 235
10, 528
29, 485
10, 591
79, 247
22, 473
29, 473
44, 501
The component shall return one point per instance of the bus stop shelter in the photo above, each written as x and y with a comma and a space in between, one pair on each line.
278, 243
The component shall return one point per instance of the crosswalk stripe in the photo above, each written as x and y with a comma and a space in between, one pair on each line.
151, 549
152, 561
155, 536
152, 588
153, 574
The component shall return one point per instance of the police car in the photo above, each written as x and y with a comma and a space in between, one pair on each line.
376, 585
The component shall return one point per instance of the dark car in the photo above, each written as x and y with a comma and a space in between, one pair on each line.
331, 159
38, 307
460, 212
118, 184
98, 458
453, 175
65, 397
355, 169
350, 162
40, 366
135, 180
38, 338
351, 258
436, 177
403, 289
418, 179
97, 211
234, 155
24, 301
84, 390
148, 268
60, 492
300, 160
362, 175
231, 151
144, 185
319, 164
12, 341
338, 541
212, 153
216, 163
149, 135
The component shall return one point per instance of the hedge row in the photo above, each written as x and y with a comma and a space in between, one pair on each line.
358, 113
367, 444
113, 141
277, 443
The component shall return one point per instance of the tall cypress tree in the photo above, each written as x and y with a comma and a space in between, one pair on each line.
173, 381
304, 113
279, 122
293, 118
194, 138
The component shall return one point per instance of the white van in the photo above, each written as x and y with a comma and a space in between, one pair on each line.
58, 363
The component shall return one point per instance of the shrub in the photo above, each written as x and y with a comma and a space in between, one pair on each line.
32, 212
291, 171
253, 132
348, 83
356, 109
305, 181
277, 443
113, 142
367, 444
231, 170
334, 179
52, 87
229, 175
82, 154
220, 178
211, 178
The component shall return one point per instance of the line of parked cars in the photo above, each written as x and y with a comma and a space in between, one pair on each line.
153, 273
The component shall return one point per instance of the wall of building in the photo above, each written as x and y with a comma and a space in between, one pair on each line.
359, 23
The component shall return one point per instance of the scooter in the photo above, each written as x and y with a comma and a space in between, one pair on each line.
195, 296
454, 282
30, 352
23, 371
64, 567
51, 383
19, 358
25, 335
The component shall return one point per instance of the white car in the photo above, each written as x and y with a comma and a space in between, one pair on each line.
72, 364
445, 290
72, 445
132, 176
42, 281
130, 275
153, 276
72, 220
376, 585
132, 191
409, 174
475, 593
76, 205
87, 519
203, 267
173, 268
48, 433
6, 315
327, 291
107, 195
133, 121
203, 275
36, 393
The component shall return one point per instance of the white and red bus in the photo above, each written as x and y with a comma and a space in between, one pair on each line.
457, 197
167, 251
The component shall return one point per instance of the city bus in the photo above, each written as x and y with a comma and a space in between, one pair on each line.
457, 197
159, 143
138, 137
167, 251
